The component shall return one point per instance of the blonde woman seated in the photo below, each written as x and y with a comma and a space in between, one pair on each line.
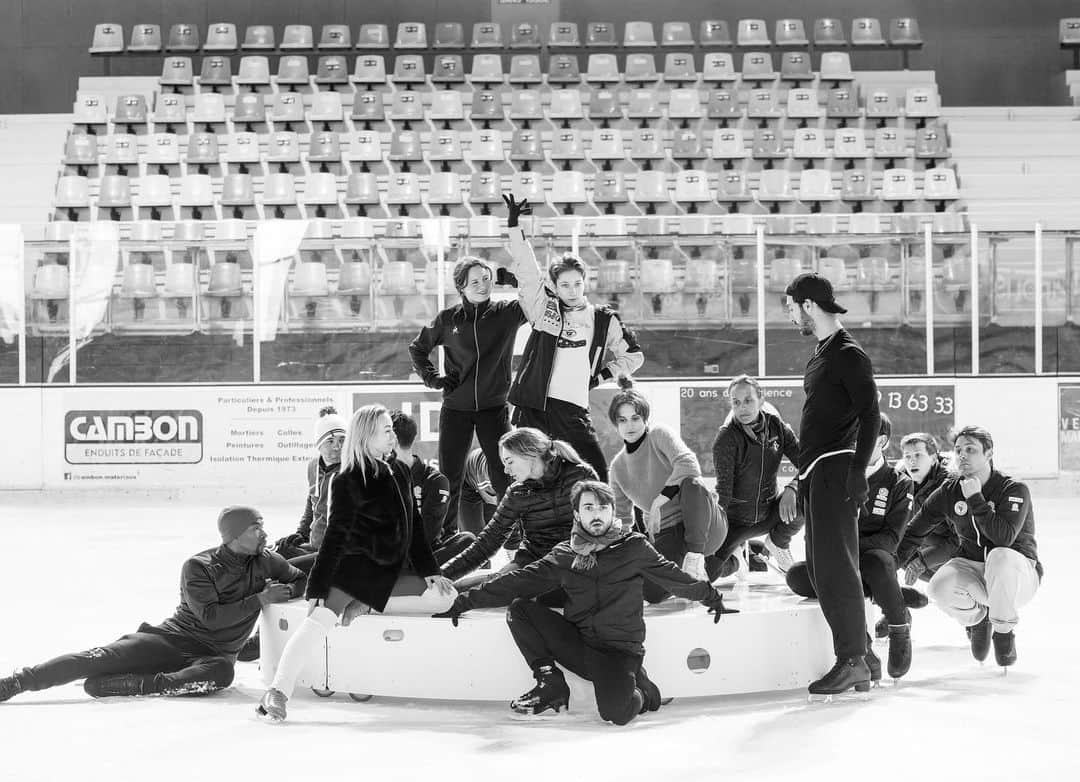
543, 473
374, 555
660, 475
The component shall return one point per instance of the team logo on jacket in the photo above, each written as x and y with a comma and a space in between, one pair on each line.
960, 508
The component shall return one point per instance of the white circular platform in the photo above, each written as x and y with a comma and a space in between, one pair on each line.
778, 641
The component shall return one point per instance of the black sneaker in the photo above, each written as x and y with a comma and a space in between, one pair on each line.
881, 629
549, 694
913, 598
852, 672
110, 685
650, 693
249, 652
1005, 648
979, 636
10, 686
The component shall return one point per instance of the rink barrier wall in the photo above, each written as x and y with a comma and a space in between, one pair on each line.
260, 437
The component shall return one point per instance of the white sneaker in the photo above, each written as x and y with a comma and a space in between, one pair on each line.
272, 706
781, 557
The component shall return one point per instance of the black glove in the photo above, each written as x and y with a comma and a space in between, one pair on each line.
857, 487
715, 604
516, 209
453, 613
294, 540
504, 276
445, 383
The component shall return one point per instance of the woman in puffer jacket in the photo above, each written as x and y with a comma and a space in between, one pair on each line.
544, 471
374, 555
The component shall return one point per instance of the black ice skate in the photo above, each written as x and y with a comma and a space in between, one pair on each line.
873, 662
549, 697
650, 693
913, 598
979, 636
899, 650
849, 673
881, 629
10, 686
118, 684
1005, 649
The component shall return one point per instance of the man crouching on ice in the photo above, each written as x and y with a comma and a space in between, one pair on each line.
600, 634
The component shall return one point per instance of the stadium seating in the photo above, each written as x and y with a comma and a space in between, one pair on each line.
673, 140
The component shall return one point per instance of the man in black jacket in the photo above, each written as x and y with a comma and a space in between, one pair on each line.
837, 432
431, 490
996, 570
747, 453
601, 632
882, 520
477, 337
222, 591
927, 470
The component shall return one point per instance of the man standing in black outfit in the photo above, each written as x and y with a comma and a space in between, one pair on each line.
837, 437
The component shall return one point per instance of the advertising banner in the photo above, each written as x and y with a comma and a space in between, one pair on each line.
1069, 428
910, 407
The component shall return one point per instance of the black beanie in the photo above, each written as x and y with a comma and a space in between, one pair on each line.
233, 520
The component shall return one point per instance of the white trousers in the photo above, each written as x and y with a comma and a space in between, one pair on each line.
967, 590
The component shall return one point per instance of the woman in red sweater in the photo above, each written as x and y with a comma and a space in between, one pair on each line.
372, 531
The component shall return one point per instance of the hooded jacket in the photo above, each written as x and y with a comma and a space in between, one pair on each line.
543, 509
478, 342
1000, 515
747, 464
604, 602
313, 521
374, 523
543, 310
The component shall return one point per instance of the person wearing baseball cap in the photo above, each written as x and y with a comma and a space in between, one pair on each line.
837, 437
193, 652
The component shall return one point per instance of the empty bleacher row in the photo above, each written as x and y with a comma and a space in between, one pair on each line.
676, 146
383, 275
222, 37
409, 72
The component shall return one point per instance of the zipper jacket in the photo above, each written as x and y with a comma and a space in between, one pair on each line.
746, 465
543, 310
478, 344
1000, 515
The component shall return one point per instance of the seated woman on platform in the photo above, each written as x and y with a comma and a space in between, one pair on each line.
544, 471
300, 547
660, 475
374, 555
601, 632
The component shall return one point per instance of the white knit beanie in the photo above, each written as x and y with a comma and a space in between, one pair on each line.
328, 424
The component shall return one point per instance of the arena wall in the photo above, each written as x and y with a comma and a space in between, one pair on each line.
259, 437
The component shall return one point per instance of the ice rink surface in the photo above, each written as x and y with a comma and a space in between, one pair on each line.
81, 570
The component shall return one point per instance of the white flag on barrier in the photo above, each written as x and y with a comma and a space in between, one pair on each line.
12, 298
274, 246
94, 260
